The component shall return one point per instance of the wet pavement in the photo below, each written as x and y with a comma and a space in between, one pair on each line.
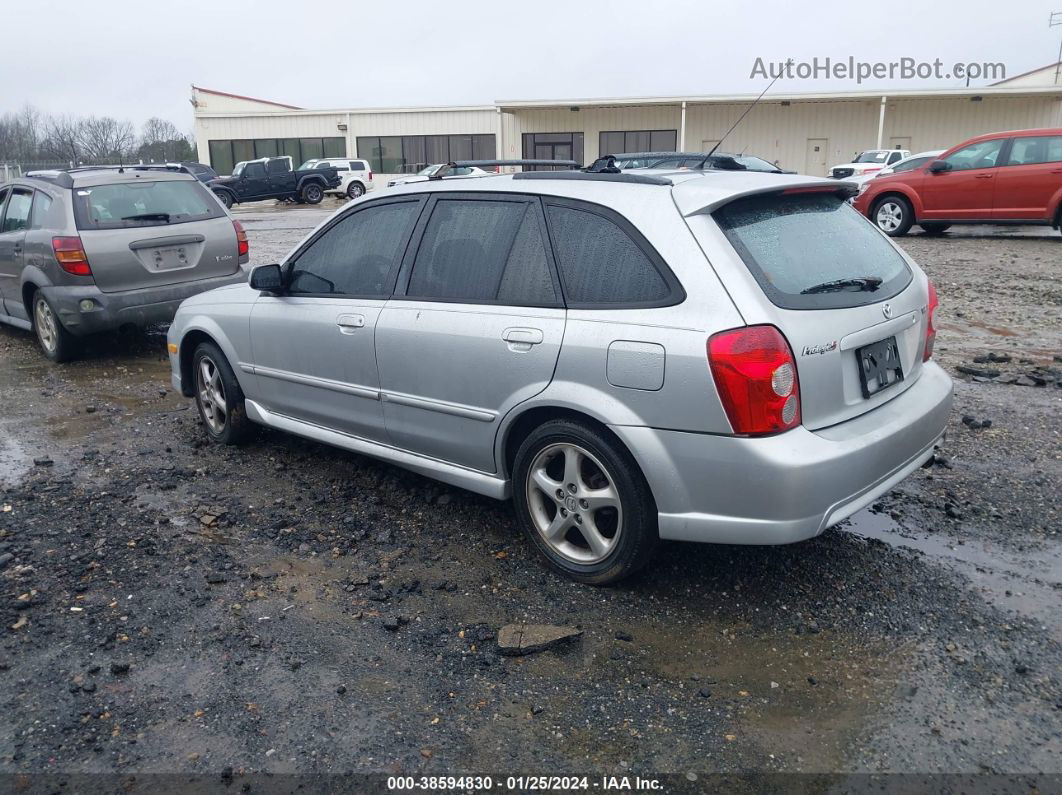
288, 607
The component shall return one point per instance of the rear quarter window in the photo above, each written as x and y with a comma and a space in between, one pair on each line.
813, 251
148, 203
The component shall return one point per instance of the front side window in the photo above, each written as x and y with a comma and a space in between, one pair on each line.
18, 211
156, 203
895, 157
487, 251
1039, 149
358, 255
600, 264
979, 155
910, 165
813, 251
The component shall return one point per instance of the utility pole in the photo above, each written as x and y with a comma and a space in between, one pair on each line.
1055, 20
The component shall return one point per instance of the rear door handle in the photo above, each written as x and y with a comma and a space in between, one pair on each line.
983, 176
348, 324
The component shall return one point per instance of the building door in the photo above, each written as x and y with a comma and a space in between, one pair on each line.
900, 142
815, 157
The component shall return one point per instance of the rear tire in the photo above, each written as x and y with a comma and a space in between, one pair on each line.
312, 193
56, 342
892, 215
225, 198
355, 190
931, 228
584, 503
218, 396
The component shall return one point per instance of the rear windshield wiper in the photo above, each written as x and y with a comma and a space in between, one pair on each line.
148, 217
858, 284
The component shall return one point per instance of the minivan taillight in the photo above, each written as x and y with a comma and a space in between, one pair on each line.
242, 246
70, 254
755, 373
931, 330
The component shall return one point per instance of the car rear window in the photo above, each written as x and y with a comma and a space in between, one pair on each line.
135, 204
813, 251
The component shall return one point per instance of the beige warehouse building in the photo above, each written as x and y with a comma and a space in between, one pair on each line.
804, 132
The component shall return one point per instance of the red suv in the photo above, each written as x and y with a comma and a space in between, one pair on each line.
1000, 178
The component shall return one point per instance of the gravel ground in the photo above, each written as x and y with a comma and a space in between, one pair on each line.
172, 606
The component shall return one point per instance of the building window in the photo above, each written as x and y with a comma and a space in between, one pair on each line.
408, 154
553, 146
224, 155
622, 142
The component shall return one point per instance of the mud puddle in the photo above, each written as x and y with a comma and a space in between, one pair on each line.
1028, 582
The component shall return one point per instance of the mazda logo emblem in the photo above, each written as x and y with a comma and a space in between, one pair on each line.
886, 309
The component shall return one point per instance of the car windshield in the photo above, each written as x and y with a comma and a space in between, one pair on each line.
427, 172
753, 163
874, 156
813, 250
238, 168
134, 204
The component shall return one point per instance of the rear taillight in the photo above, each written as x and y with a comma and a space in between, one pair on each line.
242, 246
755, 373
931, 330
370, 176
70, 254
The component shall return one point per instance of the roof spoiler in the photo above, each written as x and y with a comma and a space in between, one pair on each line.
836, 187
447, 168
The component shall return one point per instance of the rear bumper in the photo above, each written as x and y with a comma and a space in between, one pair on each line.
786, 488
141, 308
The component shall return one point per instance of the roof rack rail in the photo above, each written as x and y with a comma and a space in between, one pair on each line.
597, 176
445, 170
60, 178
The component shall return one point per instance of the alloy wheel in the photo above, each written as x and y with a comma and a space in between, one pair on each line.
889, 216
211, 391
44, 322
574, 503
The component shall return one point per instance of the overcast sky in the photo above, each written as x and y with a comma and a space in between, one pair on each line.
133, 60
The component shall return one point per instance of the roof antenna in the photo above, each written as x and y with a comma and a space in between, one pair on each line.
755, 102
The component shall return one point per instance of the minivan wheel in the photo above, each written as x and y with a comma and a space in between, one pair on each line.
56, 342
312, 193
893, 216
934, 228
355, 190
584, 503
218, 396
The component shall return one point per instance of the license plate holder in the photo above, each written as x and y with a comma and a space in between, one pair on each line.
169, 258
879, 366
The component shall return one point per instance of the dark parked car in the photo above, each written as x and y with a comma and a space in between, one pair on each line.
274, 178
200, 171
696, 160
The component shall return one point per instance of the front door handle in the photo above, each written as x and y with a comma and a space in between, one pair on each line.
983, 176
348, 324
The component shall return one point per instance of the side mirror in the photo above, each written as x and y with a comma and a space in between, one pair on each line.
268, 278
938, 166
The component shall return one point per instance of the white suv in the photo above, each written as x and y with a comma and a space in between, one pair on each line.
355, 175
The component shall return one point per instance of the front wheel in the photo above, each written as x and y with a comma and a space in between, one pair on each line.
584, 503
312, 193
893, 216
218, 396
355, 190
56, 342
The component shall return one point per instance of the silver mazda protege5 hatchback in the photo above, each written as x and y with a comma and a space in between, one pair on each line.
717, 356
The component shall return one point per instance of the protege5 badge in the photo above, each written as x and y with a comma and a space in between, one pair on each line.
812, 350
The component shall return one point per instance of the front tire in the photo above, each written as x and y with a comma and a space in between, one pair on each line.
312, 193
584, 503
56, 342
355, 190
218, 396
893, 215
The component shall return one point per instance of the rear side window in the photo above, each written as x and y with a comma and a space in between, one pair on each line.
1033, 150
601, 264
133, 204
813, 251
42, 202
486, 251
357, 255
357, 165
18, 211
254, 170
277, 166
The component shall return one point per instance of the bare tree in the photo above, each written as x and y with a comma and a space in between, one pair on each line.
61, 138
105, 138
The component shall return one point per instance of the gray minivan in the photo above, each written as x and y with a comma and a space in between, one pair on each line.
98, 248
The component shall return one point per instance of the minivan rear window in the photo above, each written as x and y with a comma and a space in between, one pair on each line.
813, 250
148, 203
